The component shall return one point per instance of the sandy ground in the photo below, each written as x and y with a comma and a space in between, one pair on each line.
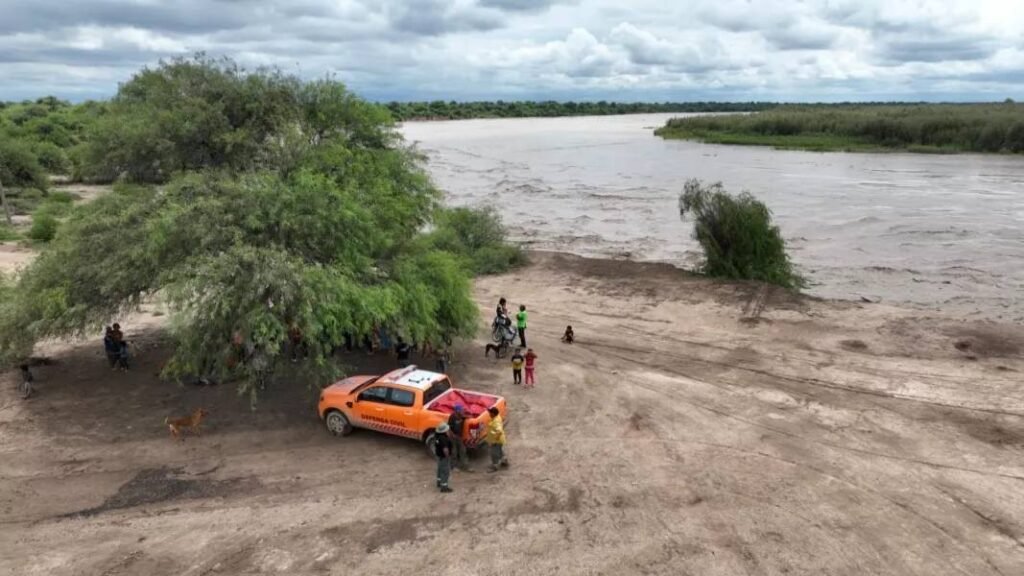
696, 428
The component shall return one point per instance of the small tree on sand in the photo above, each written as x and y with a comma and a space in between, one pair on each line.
737, 235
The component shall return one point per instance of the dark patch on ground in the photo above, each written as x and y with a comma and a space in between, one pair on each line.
988, 342
551, 503
636, 421
855, 345
156, 485
997, 430
658, 281
391, 533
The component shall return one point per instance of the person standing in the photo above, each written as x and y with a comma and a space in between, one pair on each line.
121, 352
298, 343
496, 439
531, 360
517, 366
402, 350
521, 325
26, 382
457, 425
112, 349
444, 360
443, 451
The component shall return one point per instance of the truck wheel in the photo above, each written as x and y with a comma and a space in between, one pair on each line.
337, 423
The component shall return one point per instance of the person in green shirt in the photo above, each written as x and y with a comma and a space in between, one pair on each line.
521, 325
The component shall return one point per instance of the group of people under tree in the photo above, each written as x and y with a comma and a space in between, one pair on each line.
377, 340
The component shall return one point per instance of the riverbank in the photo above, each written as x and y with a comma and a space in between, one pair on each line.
922, 128
695, 427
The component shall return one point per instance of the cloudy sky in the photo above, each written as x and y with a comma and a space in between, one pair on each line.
537, 49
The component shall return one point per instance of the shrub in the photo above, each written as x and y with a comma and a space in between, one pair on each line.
478, 238
737, 236
61, 197
19, 167
51, 158
6, 232
25, 200
44, 225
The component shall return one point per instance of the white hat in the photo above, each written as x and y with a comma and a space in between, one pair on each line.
442, 428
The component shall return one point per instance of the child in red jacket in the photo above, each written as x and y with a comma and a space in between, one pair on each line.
531, 359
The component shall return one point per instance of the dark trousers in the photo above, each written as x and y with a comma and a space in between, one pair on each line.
517, 375
522, 337
461, 455
444, 471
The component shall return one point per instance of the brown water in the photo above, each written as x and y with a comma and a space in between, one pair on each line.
939, 232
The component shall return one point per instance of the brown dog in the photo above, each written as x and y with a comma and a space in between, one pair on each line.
177, 425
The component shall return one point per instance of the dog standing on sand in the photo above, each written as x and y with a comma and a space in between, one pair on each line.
178, 425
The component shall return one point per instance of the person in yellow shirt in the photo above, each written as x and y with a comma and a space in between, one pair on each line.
517, 366
496, 438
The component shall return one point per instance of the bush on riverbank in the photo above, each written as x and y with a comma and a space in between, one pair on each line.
477, 238
737, 236
915, 128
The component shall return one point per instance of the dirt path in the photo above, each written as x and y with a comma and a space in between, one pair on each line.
696, 428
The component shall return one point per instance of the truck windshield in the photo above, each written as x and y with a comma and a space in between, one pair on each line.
435, 390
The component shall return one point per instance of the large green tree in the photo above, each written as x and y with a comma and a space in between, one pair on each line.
287, 205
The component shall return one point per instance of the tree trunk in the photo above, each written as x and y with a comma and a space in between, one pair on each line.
3, 204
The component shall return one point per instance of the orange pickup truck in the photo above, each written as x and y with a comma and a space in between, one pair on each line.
407, 402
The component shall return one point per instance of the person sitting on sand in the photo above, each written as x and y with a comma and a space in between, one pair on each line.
568, 337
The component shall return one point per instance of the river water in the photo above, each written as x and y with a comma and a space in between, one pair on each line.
936, 232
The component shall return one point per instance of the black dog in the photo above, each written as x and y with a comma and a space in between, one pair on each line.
499, 350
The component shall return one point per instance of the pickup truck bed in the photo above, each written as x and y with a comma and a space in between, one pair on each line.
474, 403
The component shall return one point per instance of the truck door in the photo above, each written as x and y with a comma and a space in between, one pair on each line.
403, 412
370, 408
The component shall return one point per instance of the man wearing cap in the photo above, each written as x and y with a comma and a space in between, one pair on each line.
443, 451
457, 423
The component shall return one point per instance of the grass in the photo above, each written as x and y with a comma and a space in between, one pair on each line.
7, 233
813, 142
922, 128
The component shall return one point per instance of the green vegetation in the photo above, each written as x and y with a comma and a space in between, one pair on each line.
7, 233
48, 130
737, 236
870, 127
288, 205
20, 167
477, 238
441, 110
44, 226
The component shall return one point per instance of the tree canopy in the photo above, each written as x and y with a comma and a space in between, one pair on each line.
262, 205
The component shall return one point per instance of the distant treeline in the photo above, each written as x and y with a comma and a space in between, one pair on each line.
441, 110
996, 127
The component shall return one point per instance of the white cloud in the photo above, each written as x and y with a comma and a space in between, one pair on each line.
462, 49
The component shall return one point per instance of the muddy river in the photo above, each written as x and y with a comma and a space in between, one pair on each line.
936, 232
